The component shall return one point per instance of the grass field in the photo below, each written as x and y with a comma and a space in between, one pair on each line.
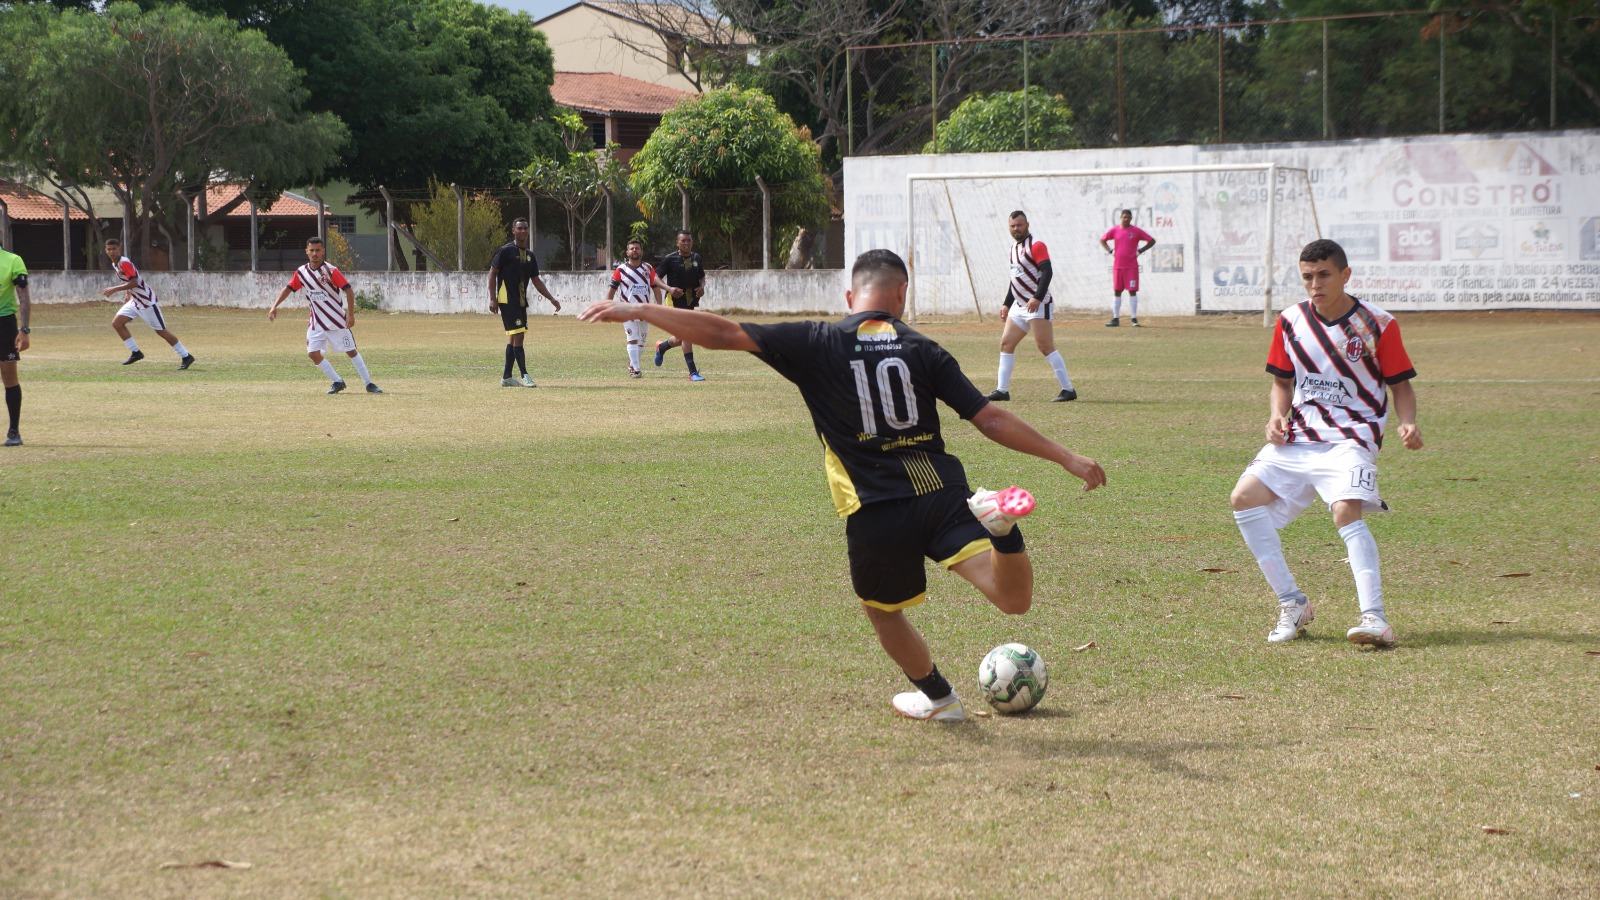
597, 638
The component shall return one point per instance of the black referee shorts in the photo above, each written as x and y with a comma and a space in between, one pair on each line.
889, 540
8, 339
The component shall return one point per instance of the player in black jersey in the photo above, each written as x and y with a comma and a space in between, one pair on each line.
872, 385
514, 266
685, 279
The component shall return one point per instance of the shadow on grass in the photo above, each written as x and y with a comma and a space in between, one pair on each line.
1487, 637
1158, 756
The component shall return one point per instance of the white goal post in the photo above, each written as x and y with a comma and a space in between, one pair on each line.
1226, 235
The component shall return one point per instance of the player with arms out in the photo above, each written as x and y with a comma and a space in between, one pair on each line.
16, 307
330, 319
873, 385
1125, 265
635, 281
685, 279
141, 304
1334, 360
1028, 309
510, 272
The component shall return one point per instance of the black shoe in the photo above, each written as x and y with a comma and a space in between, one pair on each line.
337, 387
1113, 323
1067, 395
1136, 323
998, 395
13, 438
373, 389
133, 357
186, 362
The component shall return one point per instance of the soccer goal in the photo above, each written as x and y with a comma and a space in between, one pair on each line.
1226, 236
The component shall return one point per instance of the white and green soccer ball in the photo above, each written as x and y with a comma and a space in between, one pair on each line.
1013, 678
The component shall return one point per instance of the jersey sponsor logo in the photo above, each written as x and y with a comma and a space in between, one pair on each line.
1327, 390
876, 331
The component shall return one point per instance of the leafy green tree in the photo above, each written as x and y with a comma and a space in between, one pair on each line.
1008, 120
577, 179
716, 146
483, 223
154, 103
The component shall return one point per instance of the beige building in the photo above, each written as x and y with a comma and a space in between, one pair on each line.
645, 41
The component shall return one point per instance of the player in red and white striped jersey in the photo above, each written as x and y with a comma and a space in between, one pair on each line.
331, 317
1029, 307
142, 305
634, 281
1335, 361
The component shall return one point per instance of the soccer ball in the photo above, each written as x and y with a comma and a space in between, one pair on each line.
1013, 678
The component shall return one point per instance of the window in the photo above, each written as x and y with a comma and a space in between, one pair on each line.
342, 224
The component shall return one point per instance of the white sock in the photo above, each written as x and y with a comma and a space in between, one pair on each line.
1008, 364
327, 369
1262, 539
1363, 550
1060, 365
633, 356
131, 344
178, 348
361, 368
1133, 305
1116, 307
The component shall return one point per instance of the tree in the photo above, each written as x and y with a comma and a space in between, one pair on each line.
154, 104
577, 179
690, 36
1009, 120
716, 146
484, 224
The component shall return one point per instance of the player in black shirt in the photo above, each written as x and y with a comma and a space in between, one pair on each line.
514, 266
872, 384
682, 272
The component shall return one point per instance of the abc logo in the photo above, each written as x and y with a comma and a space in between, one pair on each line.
1414, 237
1414, 241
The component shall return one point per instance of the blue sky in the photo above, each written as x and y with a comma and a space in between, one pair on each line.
536, 8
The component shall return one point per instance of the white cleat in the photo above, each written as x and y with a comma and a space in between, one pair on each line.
1372, 631
527, 380
998, 511
916, 705
1292, 621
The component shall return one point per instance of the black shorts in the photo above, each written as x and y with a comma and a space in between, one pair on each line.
514, 317
888, 541
687, 301
8, 339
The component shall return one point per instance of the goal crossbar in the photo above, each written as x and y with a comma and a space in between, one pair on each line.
1270, 168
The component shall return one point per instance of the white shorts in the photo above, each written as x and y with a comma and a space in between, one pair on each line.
1019, 316
322, 341
1299, 472
637, 330
150, 315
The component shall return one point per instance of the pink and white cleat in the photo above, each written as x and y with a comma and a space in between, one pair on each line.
998, 511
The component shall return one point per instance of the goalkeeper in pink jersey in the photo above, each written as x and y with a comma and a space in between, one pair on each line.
1125, 265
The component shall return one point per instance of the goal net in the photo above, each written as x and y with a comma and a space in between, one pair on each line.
1228, 238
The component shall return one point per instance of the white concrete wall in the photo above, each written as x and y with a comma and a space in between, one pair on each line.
776, 291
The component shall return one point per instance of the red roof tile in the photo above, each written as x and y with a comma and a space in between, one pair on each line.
218, 195
603, 92
27, 204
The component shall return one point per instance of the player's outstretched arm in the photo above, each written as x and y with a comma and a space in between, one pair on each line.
1008, 430
702, 329
1405, 409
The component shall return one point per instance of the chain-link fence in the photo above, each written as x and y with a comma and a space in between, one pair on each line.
1356, 76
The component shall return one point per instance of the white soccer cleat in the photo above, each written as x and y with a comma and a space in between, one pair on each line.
1292, 621
527, 380
998, 511
916, 705
1372, 631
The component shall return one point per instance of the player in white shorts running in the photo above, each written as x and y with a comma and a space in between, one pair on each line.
331, 318
1335, 360
141, 305
636, 282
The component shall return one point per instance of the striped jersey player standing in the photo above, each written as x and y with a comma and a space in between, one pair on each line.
634, 281
1334, 361
141, 304
331, 317
1029, 308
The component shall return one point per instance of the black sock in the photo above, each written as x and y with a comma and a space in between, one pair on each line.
511, 355
933, 685
689, 358
1008, 543
14, 405
522, 359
